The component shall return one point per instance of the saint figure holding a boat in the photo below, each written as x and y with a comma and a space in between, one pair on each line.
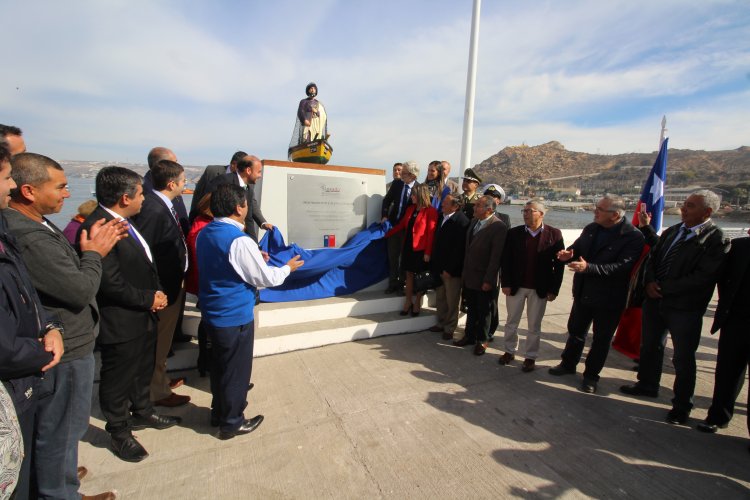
310, 137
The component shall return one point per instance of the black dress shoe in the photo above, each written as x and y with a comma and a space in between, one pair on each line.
464, 342
128, 449
677, 417
247, 427
561, 369
638, 390
588, 386
250, 386
154, 421
710, 428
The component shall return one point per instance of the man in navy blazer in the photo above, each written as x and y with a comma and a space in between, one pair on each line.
601, 258
733, 318
530, 275
129, 297
395, 202
159, 223
447, 261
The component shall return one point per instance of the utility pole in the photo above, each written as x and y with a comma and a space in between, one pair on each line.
471, 82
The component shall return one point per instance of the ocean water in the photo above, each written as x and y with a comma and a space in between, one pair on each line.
81, 188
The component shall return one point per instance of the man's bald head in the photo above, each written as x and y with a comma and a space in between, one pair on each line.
158, 154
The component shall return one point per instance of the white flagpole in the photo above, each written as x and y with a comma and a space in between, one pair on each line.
471, 82
663, 130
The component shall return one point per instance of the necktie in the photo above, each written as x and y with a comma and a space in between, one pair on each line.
404, 201
663, 269
177, 221
132, 234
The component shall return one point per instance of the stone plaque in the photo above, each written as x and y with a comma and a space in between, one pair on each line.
325, 211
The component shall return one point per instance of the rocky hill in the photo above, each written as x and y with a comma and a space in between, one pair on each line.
551, 164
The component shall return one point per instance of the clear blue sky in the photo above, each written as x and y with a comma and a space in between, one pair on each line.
109, 79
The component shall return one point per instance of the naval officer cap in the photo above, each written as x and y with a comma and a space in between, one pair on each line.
470, 175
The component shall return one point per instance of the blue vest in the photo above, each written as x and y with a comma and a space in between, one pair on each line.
226, 300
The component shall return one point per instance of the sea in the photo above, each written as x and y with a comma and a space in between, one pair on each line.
81, 189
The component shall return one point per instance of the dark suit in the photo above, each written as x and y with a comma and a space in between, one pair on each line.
162, 232
448, 256
254, 215
127, 333
482, 265
390, 209
600, 291
686, 289
733, 318
203, 186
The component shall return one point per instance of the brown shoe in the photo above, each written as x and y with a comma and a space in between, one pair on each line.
107, 495
506, 358
480, 348
436, 328
173, 400
447, 336
82, 471
176, 382
528, 365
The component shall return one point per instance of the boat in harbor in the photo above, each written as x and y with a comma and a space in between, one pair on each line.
317, 151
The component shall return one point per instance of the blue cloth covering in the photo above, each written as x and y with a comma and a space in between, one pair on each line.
360, 262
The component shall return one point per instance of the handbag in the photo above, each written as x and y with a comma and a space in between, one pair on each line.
426, 280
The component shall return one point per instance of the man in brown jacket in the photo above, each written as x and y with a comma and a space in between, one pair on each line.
485, 240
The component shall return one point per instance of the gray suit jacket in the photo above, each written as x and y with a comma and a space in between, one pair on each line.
483, 253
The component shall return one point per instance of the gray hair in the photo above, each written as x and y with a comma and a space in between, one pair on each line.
490, 202
616, 204
538, 205
710, 199
410, 167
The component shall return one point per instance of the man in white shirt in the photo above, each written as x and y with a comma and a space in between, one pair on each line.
230, 267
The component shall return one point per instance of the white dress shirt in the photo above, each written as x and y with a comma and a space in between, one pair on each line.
248, 262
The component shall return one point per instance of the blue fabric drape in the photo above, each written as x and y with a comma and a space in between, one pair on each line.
360, 262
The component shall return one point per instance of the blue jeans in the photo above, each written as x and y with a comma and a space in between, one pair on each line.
62, 418
231, 368
685, 328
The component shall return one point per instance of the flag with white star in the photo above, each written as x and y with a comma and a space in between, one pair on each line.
653, 191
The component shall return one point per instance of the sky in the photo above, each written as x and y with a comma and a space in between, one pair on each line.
106, 80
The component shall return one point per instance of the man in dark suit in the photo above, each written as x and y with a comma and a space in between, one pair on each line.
733, 318
601, 259
485, 239
530, 275
680, 279
448, 262
155, 156
499, 195
249, 170
212, 172
159, 224
395, 202
129, 297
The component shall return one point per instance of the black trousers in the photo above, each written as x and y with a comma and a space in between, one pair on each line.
580, 320
125, 381
731, 367
231, 369
479, 314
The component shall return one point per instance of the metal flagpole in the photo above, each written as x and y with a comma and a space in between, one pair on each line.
471, 81
663, 129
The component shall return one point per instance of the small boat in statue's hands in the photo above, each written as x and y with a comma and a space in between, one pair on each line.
309, 143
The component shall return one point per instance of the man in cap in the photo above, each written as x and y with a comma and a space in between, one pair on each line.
470, 194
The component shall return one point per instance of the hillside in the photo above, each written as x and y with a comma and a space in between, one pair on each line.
546, 164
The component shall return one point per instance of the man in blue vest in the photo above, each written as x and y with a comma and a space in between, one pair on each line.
230, 267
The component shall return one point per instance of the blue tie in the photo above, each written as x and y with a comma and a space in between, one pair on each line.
404, 201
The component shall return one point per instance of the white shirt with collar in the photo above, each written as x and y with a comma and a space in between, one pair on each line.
247, 261
534, 233
141, 239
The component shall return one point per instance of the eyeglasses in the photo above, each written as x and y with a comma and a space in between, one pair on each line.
528, 210
600, 209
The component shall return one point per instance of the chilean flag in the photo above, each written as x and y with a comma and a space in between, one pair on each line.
653, 191
628, 337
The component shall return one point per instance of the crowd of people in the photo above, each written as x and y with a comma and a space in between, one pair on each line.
463, 239
116, 280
